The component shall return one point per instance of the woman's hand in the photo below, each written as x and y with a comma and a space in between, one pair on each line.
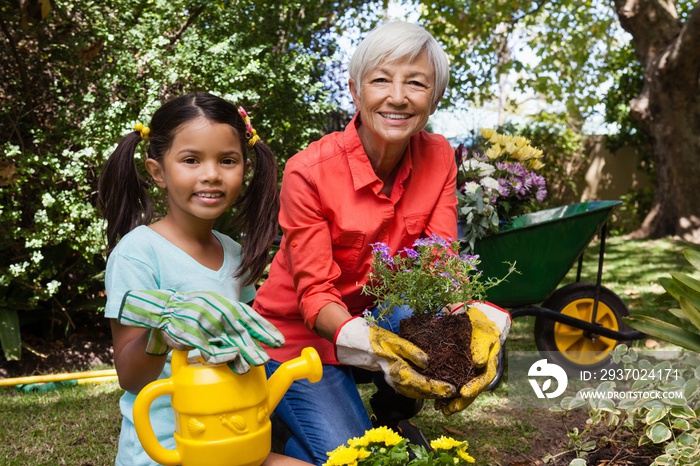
330, 318
490, 327
370, 347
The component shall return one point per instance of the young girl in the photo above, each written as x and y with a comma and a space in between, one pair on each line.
199, 148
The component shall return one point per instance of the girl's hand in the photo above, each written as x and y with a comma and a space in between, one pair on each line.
223, 330
135, 368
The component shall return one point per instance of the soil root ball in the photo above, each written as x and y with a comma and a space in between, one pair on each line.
446, 341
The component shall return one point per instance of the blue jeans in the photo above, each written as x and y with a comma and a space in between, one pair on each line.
324, 415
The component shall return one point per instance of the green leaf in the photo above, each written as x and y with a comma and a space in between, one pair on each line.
664, 297
670, 286
687, 280
658, 432
693, 257
577, 402
681, 424
684, 285
678, 313
9, 334
683, 412
690, 387
655, 414
665, 331
686, 439
691, 311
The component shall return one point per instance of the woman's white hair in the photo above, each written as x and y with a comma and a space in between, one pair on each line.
396, 41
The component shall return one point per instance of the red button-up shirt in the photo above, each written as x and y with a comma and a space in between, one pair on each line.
332, 210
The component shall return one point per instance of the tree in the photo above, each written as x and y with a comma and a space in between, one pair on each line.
76, 76
575, 47
668, 109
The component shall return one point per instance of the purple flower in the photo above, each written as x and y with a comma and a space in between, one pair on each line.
504, 187
383, 251
541, 194
470, 259
432, 240
519, 187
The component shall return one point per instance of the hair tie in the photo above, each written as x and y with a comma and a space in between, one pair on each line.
250, 132
144, 130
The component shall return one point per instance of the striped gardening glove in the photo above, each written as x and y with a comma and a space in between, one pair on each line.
224, 331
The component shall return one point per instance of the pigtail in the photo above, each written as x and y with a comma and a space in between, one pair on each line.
257, 213
122, 195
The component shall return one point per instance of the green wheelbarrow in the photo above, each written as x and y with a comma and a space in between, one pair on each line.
577, 325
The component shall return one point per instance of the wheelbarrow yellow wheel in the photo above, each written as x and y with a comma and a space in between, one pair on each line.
574, 348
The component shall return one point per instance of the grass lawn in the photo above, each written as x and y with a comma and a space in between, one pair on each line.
80, 425
75, 426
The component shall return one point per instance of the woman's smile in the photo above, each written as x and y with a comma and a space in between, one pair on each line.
395, 101
395, 116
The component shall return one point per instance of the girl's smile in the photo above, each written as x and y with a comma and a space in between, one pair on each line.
202, 172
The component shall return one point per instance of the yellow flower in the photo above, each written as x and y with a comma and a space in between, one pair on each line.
345, 456
522, 141
536, 164
487, 133
378, 435
462, 452
446, 443
358, 441
500, 139
511, 147
493, 152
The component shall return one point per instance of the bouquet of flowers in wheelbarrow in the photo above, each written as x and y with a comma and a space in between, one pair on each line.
494, 186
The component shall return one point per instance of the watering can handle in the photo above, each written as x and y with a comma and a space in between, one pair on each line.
142, 422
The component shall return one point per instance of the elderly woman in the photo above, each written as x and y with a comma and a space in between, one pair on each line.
384, 179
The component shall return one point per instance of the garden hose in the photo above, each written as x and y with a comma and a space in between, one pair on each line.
54, 381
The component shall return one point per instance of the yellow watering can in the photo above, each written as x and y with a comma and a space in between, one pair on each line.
221, 418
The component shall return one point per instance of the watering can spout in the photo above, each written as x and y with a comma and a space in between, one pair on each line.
308, 366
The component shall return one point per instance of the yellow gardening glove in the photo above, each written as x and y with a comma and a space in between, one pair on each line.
370, 347
490, 326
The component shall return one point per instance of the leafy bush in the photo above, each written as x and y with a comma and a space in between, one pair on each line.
668, 421
682, 291
76, 76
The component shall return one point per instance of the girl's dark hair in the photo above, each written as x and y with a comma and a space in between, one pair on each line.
122, 191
